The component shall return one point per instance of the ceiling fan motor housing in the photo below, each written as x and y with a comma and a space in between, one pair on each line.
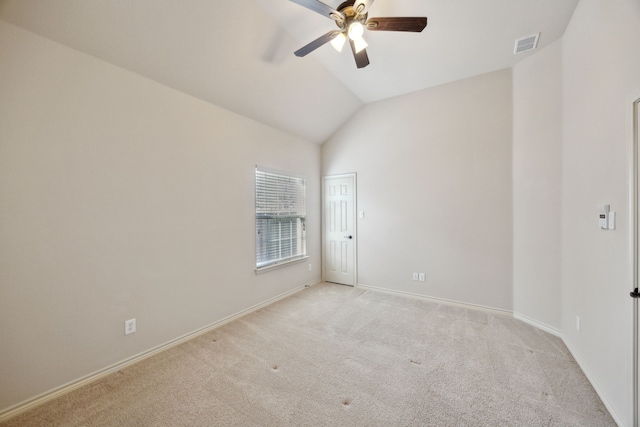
350, 14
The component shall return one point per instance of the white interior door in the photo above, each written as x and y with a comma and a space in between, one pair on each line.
339, 219
636, 258
634, 214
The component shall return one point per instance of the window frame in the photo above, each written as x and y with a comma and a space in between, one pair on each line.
298, 216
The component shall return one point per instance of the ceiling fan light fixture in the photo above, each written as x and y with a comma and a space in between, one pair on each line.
356, 30
351, 16
338, 42
359, 44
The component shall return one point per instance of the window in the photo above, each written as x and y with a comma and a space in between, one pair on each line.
280, 218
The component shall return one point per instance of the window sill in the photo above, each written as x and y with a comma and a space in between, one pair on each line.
280, 265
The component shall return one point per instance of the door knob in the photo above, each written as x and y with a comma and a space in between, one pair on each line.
348, 237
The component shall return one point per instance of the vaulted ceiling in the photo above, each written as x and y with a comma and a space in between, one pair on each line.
238, 54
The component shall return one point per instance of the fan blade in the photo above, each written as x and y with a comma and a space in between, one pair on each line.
366, 4
303, 51
321, 8
414, 24
362, 59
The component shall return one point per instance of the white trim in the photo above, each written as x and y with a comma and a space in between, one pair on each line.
355, 224
45, 397
522, 318
491, 310
278, 265
539, 325
594, 384
293, 174
633, 103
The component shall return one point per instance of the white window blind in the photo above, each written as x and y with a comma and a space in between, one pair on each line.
280, 218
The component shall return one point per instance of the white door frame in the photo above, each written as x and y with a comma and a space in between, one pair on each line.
354, 221
633, 141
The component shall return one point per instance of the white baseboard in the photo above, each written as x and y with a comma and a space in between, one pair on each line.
528, 320
74, 385
45, 397
583, 367
539, 325
491, 310
594, 384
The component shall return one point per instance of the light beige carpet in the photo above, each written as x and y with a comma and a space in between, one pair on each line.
338, 356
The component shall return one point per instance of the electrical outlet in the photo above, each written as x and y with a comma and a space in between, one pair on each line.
578, 324
415, 276
423, 277
129, 326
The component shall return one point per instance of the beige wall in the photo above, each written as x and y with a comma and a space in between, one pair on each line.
111, 186
601, 63
434, 181
121, 198
537, 188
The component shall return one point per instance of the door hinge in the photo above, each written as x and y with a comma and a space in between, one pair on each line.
635, 293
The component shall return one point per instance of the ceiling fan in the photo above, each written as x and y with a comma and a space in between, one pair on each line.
351, 19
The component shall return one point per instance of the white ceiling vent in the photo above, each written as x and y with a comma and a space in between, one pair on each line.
526, 43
